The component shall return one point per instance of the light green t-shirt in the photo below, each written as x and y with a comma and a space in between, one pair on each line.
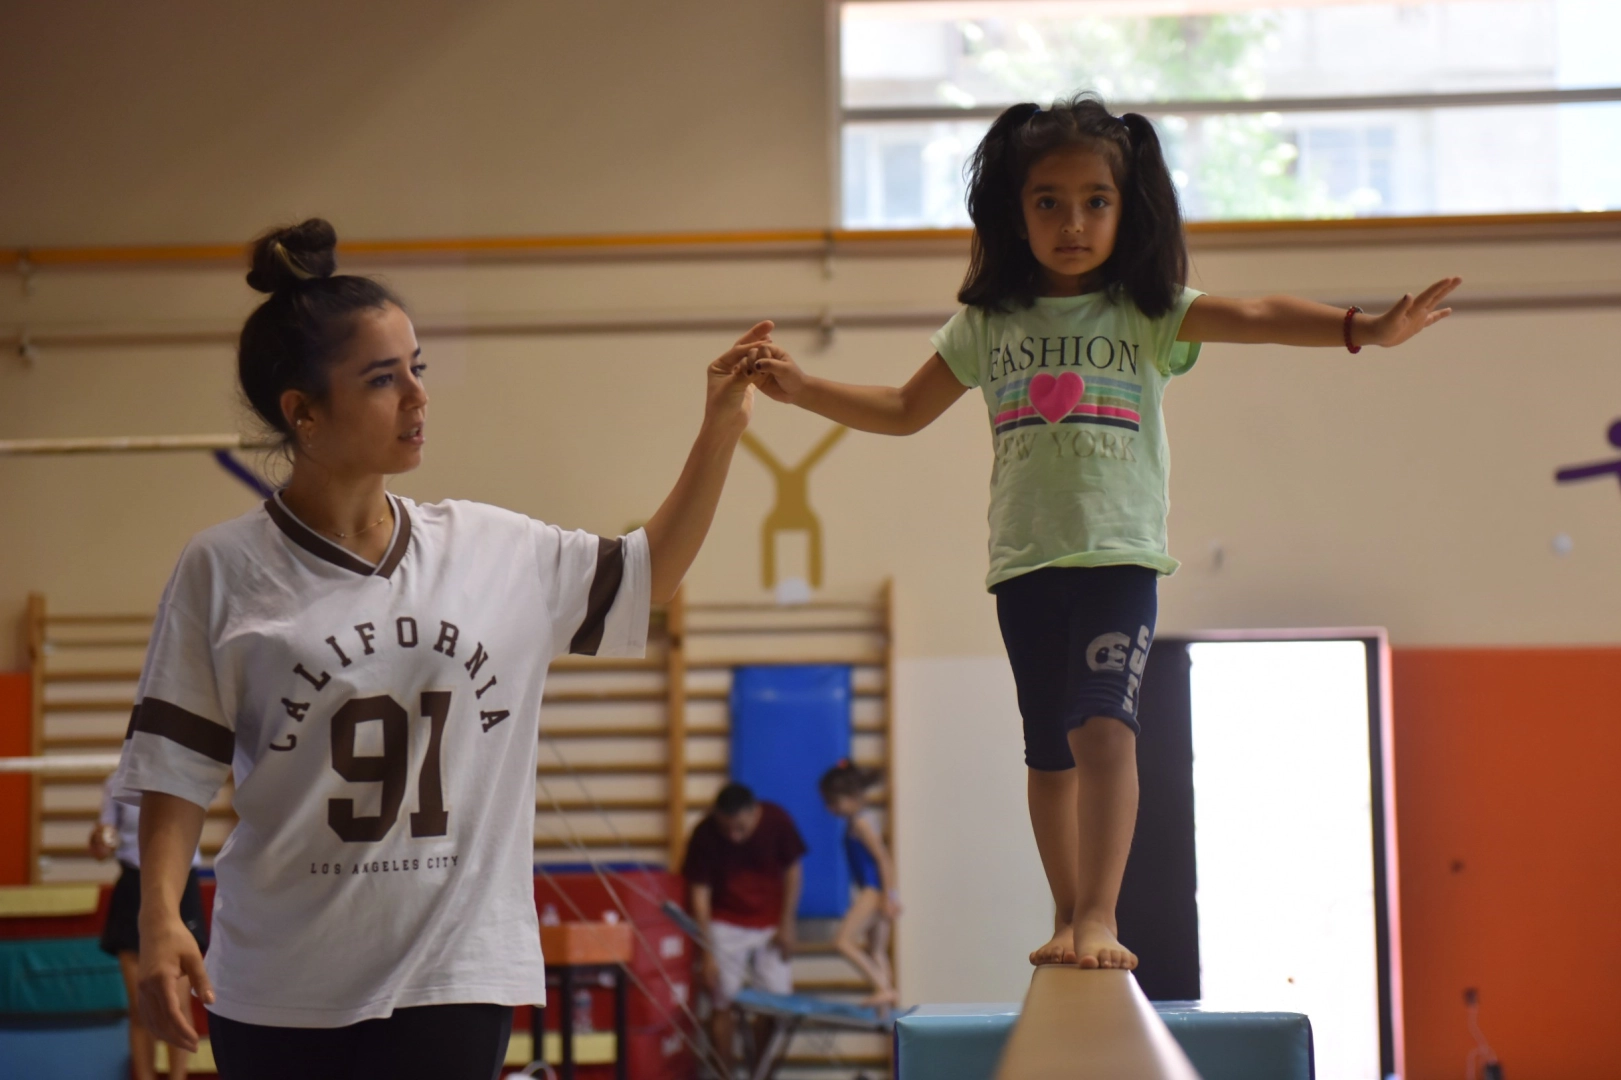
1073, 388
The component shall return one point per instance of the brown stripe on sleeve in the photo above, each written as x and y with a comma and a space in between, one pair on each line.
604, 590
195, 733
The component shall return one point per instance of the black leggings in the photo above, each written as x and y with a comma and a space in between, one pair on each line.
432, 1042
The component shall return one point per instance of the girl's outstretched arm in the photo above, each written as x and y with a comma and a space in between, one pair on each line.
1289, 320
883, 410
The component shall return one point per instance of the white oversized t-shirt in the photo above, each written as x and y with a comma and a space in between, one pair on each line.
381, 727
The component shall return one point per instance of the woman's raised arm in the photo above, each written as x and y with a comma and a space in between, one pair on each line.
677, 530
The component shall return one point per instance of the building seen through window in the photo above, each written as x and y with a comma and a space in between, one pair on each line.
1316, 109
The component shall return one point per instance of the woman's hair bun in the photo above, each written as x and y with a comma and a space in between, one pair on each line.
285, 257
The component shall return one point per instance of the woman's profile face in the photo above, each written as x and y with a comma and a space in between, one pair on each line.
373, 418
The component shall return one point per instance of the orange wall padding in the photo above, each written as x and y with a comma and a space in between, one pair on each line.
1508, 789
15, 720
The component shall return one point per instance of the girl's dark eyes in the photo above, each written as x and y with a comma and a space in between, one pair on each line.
1098, 202
1045, 203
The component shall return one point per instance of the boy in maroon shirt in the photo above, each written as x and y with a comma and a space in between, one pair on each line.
743, 870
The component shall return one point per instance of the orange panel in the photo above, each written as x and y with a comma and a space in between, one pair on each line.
15, 720
586, 943
1508, 803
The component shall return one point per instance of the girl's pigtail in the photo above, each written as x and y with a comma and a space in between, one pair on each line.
999, 262
1151, 253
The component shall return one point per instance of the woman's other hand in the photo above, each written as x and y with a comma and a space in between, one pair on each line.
103, 841
170, 964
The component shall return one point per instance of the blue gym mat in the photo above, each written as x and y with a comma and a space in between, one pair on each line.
790, 724
963, 1042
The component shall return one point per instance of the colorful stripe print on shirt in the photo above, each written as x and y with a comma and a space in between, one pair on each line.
1068, 398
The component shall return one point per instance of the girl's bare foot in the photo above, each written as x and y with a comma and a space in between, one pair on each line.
1096, 946
881, 999
1059, 950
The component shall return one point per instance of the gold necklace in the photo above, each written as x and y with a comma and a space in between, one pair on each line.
357, 532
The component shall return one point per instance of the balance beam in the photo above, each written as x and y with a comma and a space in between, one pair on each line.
1085, 1024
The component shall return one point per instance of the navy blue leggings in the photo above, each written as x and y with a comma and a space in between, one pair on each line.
1078, 639
431, 1042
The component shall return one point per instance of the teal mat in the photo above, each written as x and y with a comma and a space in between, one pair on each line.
59, 977
963, 1042
85, 1051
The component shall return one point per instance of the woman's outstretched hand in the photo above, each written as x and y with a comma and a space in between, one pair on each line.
1409, 315
730, 400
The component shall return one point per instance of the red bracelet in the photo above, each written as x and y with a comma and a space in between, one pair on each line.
1350, 313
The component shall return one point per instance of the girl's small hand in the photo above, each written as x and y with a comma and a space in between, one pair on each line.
777, 376
730, 398
892, 907
1409, 315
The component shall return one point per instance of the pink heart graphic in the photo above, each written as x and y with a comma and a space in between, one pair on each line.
1054, 398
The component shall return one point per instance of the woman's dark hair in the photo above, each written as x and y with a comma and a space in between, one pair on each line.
290, 340
846, 778
1149, 264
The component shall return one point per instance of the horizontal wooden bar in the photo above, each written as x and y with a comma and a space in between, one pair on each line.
650, 731
111, 743
600, 842
740, 607
78, 851
604, 731
840, 1062
143, 618
1090, 1024
805, 242
97, 705
718, 662
629, 768
722, 631
832, 986
575, 664
544, 805
53, 644
91, 765
589, 697
219, 813
93, 675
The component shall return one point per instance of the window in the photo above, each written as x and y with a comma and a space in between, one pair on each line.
1311, 109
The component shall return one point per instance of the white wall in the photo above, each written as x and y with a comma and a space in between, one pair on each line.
976, 900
